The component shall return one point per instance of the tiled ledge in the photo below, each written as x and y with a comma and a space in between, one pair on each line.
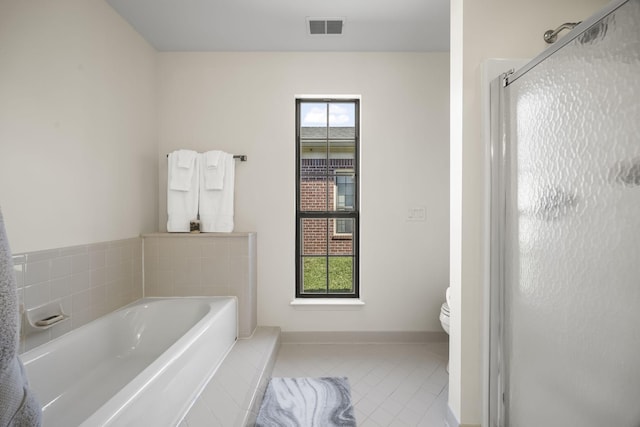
182, 235
234, 395
184, 264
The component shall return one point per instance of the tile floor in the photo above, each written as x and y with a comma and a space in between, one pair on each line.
391, 384
233, 396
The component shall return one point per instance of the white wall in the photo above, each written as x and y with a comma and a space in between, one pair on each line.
78, 141
244, 103
482, 30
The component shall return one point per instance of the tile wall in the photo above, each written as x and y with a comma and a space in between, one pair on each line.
88, 281
205, 264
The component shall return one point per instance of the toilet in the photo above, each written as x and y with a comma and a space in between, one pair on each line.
444, 312
444, 316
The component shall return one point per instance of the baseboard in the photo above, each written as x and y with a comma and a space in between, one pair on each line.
362, 337
450, 420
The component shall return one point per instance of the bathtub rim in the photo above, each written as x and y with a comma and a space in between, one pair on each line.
109, 417
139, 301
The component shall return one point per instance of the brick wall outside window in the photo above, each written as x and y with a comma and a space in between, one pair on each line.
313, 197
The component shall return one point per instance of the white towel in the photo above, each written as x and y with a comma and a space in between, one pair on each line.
182, 204
214, 170
186, 158
216, 206
182, 168
212, 158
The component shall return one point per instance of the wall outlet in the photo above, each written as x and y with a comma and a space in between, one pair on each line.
417, 214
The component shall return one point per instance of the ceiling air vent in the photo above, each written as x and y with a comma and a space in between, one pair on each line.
323, 26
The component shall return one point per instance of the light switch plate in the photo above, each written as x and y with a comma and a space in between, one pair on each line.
417, 214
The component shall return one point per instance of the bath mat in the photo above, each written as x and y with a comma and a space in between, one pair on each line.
307, 402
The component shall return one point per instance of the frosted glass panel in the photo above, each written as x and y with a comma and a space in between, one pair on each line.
572, 293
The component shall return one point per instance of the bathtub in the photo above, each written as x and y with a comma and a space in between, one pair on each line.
141, 365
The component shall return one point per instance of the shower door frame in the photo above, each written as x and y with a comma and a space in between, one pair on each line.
500, 167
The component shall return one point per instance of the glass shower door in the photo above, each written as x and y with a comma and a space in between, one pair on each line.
570, 295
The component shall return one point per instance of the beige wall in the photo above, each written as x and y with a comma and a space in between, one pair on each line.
482, 30
244, 103
77, 125
79, 150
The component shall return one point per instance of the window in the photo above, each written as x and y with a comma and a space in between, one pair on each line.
344, 200
327, 212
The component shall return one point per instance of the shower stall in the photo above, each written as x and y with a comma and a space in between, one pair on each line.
565, 231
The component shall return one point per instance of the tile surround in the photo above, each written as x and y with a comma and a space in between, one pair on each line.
89, 281
204, 264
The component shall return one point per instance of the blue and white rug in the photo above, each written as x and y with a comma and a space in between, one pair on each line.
307, 402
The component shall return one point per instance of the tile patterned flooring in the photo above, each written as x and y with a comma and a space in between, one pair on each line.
391, 384
240, 381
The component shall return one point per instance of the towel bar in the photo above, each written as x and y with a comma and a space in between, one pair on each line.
241, 157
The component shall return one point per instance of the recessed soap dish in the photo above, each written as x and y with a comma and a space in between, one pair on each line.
50, 321
43, 317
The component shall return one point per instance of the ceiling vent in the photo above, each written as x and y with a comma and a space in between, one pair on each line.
325, 26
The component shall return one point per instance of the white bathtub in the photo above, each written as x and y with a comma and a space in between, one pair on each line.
141, 365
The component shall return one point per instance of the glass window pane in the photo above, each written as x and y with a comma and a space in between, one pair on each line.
342, 154
313, 158
314, 193
342, 120
314, 275
341, 236
344, 226
342, 191
341, 274
313, 117
313, 236
313, 134
342, 167
342, 114
342, 133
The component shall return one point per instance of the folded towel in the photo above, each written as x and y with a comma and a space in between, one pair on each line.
215, 170
216, 206
18, 407
182, 203
181, 169
212, 158
186, 158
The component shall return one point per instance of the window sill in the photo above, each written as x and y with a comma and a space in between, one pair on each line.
341, 236
327, 302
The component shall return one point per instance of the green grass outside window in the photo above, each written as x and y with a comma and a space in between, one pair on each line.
340, 274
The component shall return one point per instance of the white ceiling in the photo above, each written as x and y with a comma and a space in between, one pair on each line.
280, 25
